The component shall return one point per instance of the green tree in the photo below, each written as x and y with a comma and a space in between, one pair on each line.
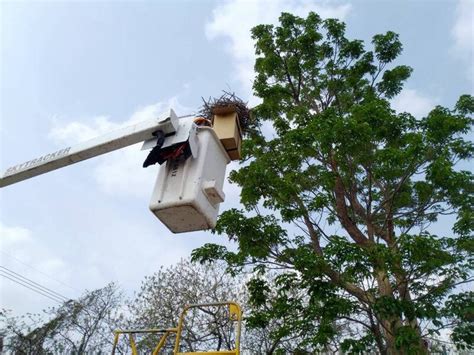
344, 196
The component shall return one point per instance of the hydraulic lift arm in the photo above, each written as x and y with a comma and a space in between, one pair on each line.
120, 138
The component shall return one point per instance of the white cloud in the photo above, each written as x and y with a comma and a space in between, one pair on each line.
411, 101
463, 29
463, 34
119, 172
234, 19
13, 235
20, 242
78, 132
19, 251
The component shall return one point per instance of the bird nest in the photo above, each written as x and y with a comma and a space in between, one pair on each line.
226, 104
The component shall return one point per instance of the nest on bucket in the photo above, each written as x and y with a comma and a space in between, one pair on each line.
226, 104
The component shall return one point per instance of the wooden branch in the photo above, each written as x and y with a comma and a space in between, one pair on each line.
357, 321
288, 77
343, 215
353, 289
313, 235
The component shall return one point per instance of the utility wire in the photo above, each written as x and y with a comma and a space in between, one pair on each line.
31, 283
32, 289
42, 290
34, 286
39, 271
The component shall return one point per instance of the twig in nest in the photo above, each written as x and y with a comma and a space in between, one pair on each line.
227, 103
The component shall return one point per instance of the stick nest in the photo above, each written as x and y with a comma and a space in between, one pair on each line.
226, 104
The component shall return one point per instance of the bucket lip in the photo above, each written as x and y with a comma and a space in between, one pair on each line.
214, 135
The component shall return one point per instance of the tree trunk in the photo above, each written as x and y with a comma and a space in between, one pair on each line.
391, 324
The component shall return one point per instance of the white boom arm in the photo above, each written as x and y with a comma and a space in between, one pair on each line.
168, 123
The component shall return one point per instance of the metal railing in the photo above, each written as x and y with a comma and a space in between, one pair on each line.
235, 314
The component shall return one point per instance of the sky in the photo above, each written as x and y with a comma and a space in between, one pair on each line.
73, 70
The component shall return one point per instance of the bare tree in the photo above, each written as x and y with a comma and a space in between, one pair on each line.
163, 296
75, 327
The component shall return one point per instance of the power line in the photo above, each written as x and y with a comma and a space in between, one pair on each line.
32, 289
39, 271
36, 287
31, 283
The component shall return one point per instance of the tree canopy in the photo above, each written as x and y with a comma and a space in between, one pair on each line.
344, 194
77, 326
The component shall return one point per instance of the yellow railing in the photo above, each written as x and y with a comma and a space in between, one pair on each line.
235, 313
131, 334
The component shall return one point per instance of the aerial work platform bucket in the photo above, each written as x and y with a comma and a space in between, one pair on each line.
188, 192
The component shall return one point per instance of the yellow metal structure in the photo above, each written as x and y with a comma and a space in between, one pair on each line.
235, 315
131, 336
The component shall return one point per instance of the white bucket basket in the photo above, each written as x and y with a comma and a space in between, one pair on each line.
187, 193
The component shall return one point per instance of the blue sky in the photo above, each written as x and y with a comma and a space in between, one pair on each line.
73, 70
